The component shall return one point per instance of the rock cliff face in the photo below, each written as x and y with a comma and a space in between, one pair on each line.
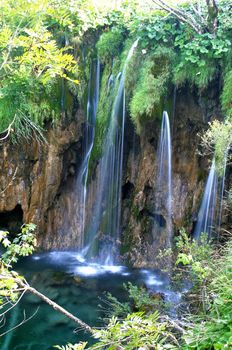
38, 182
34, 180
144, 229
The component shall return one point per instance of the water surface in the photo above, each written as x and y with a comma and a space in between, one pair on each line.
77, 286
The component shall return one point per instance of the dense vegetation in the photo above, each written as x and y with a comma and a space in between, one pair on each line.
38, 45
170, 54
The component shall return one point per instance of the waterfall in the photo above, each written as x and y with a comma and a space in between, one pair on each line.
206, 215
164, 176
103, 231
222, 187
92, 104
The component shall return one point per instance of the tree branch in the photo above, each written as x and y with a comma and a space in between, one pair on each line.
7, 131
54, 305
25, 319
10, 182
183, 16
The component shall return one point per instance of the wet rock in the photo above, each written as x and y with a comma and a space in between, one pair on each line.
38, 177
145, 233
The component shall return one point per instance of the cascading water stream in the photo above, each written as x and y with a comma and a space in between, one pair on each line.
206, 215
92, 104
164, 177
222, 187
104, 228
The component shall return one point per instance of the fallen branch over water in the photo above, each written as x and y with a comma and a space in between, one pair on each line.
55, 306
24, 287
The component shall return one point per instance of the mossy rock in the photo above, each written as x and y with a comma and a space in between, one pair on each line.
110, 44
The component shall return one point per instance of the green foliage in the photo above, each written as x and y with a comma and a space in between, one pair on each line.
153, 28
109, 44
22, 245
213, 328
108, 91
218, 140
114, 307
103, 115
136, 330
226, 97
196, 255
141, 298
200, 58
32, 63
152, 86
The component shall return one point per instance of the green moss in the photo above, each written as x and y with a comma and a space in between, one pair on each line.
103, 115
127, 241
226, 96
151, 87
110, 44
131, 75
200, 76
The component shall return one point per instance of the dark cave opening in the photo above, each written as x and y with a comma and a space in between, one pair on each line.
127, 190
12, 220
158, 218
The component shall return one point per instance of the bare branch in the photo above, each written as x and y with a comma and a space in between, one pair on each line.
204, 17
25, 319
12, 306
183, 16
7, 131
10, 182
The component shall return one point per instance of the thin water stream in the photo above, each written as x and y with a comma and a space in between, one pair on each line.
206, 215
163, 193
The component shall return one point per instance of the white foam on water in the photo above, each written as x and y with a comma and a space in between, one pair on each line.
126, 274
36, 257
153, 281
96, 269
87, 270
113, 268
80, 258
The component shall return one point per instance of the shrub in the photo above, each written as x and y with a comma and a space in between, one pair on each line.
212, 329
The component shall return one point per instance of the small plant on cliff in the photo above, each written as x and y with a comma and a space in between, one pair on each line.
218, 141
